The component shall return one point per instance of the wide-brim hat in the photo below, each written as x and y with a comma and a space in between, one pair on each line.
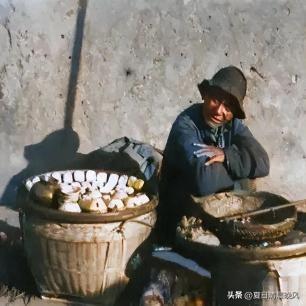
231, 81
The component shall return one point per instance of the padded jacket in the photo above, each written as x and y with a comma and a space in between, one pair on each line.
244, 156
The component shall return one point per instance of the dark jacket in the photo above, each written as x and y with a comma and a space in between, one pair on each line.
183, 173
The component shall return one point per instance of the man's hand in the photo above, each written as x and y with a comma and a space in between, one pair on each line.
216, 154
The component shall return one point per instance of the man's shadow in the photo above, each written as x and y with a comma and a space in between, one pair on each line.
57, 151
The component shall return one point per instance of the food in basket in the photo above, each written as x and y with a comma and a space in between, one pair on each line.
70, 207
116, 204
191, 229
88, 191
91, 176
66, 193
123, 179
141, 199
111, 183
57, 176
89, 204
67, 177
79, 176
135, 183
120, 194
101, 177
44, 192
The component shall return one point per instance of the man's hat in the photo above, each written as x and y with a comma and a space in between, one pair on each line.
232, 81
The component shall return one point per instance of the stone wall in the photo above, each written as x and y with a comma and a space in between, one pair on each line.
114, 68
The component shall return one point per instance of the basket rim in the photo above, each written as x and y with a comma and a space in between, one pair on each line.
33, 208
51, 214
250, 231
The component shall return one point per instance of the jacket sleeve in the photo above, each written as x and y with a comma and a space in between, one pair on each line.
245, 157
201, 179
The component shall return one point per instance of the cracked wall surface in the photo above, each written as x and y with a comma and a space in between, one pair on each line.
139, 67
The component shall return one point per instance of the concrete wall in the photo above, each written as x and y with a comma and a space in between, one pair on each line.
114, 68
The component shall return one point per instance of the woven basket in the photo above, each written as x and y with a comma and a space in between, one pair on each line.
84, 256
83, 260
264, 227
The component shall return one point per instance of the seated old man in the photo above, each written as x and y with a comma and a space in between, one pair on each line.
208, 148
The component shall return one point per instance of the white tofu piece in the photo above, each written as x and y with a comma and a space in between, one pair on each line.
129, 190
106, 198
76, 184
91, 176
120, 195
79, 176
95, 185
99, 185
125, 189
116, 204
35, 179
45, 177
141, 199
85, 186
28, 184
102, 177
70, 207
95, 194
66, 188
129, 202
67, 177
57, 176
111, 183
123, 179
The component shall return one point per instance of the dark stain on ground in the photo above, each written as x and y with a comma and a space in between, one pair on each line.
62, 36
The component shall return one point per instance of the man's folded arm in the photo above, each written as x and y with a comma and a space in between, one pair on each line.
246, 158
203, 180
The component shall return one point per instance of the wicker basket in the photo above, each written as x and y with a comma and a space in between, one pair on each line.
83, 260
264, 227
83, 256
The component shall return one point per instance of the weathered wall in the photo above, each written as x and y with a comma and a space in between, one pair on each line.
139, 66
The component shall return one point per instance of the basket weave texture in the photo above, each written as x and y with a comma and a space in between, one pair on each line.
265, 227
83, 260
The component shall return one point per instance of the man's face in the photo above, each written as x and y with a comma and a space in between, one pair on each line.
217, 109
